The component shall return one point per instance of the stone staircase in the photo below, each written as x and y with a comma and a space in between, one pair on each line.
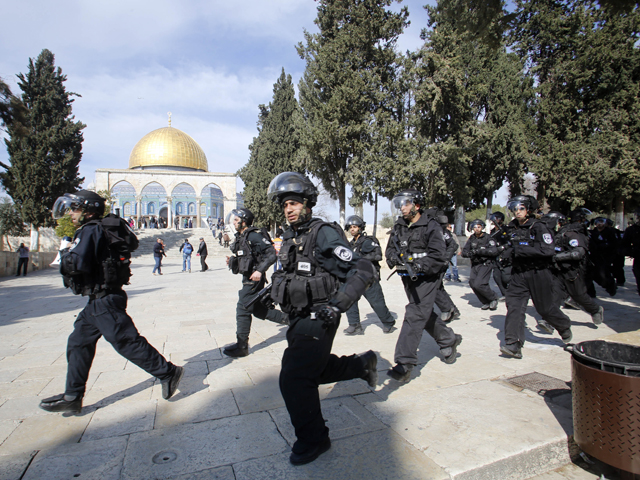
173, 240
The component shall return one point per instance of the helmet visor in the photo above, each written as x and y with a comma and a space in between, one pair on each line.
64, 205
400, 201
229, 220
516, 206
600, 221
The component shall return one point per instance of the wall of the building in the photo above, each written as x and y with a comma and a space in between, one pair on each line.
37, 261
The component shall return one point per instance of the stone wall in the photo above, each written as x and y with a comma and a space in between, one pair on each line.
37, 261
49, 241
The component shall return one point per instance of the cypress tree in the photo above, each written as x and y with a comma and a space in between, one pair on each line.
44, 161
273, 151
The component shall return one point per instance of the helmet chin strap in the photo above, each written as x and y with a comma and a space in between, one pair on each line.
412, 214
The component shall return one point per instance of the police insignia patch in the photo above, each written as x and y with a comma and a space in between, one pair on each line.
547, 238
573, 243
343, 253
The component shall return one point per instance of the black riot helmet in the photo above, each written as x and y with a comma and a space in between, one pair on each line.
609, 222
292, 186
243, 214
355, 220
579, 215
497, 218
475, 222
527, 201
599, 222
552, 219
442, 218
409, 196
86, 200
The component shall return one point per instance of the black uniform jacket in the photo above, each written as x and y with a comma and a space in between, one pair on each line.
532, 243
480, 249
421, 237
367, 247
85, 256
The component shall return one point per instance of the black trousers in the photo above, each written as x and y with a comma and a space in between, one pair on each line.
443, 300
307, 362
479, 283
539, 285
419, 316
375, 297
502, 275
243, 314
203, 263
601, 272
107, 317
636, 272
618, 269
23, 262
573, 284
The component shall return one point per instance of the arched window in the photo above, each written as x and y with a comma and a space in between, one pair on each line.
151, 208
192, 209
203, 209
127, 208
179, 208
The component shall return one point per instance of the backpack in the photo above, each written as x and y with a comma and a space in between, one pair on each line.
121, 241
188, 248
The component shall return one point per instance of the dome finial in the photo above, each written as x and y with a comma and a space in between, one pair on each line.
169, 113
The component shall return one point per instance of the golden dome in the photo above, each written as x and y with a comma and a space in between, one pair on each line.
168, 147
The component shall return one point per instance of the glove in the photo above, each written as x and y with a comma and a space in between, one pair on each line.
328, 315
393, 260
416, 267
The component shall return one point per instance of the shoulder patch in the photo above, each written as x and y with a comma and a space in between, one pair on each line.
547, 238
574, 242
343, 253
265, 241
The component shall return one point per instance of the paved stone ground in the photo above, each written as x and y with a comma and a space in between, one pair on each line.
461, 421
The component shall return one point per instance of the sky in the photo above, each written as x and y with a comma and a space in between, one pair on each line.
208, 62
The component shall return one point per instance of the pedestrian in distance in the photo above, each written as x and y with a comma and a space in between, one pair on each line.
23, 260
603, 248
417, 250
96, 266
533, 251
202, 253
369, 248
452, 274
253, 255
158, 253
187, 249
321, 277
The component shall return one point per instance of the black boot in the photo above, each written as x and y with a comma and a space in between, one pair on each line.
62, 403
239, 349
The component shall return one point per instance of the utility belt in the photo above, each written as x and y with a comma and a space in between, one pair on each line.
486, 261
417, 255
526, 267
103, 293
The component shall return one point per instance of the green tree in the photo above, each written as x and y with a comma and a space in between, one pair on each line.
347, 107
273, 151
12, 111
65, 227
10, 222
44, 162
586, 64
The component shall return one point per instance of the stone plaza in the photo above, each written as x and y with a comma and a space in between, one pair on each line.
228, 421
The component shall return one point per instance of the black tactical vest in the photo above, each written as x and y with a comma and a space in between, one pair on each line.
302, 284
246, 258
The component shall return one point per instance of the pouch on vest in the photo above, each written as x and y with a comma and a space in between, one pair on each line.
233, 265
298, 293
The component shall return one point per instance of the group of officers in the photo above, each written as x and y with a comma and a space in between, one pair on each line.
323, 276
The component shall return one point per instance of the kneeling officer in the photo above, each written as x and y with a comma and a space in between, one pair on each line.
87, 269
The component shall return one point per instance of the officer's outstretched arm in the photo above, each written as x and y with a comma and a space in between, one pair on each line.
359, 279
268, 259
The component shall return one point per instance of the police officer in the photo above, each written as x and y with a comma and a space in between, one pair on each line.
369, 248
448, 311
417, 249
82, 266
617, 266
572, 246
253, 254
502, 263
531, 276
482, 250
631, 246
603, 246
320, 278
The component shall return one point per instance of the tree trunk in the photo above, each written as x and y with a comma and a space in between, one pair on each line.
342, 198
619, 220
359, 210
489, 205
459, 220
375, 214
35, 239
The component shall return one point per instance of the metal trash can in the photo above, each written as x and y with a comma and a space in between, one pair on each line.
606, 402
